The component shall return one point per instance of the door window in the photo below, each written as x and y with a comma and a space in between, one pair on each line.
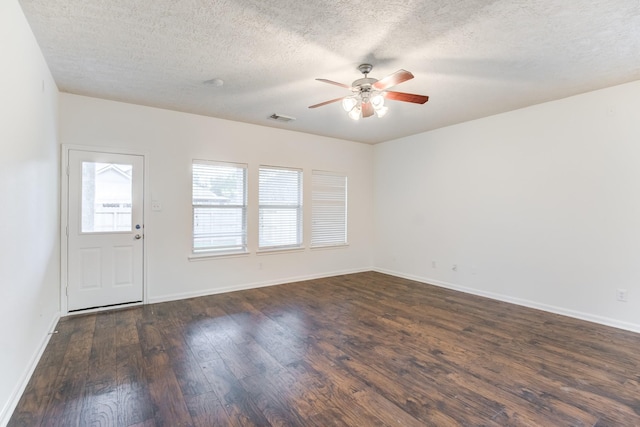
106, 197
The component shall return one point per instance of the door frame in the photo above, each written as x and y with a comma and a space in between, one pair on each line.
64, 221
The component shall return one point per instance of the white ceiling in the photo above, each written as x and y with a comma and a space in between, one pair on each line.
474, 58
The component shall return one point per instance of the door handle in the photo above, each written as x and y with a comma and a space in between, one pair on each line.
137, 237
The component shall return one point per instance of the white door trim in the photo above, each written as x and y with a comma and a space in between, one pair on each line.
64, 218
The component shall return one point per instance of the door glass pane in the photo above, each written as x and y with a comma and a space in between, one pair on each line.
106, 197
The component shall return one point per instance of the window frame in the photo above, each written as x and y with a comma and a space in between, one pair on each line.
315, 204
299, 209
213, 251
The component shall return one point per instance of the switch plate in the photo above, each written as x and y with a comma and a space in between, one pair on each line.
621, 295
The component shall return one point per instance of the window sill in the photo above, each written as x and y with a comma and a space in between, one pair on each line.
209, 255
320, 248
279, 251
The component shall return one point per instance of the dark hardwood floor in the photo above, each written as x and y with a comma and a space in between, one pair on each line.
360, 350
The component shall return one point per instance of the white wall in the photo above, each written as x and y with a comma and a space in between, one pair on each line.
539, 206
171, 140
29, 238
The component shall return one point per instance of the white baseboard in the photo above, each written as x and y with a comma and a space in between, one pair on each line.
627, 326
242, 287
11, 404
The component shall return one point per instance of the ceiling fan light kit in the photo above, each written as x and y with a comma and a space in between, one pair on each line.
369, 94
354, 104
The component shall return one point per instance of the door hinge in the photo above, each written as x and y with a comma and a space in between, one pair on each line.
66, 230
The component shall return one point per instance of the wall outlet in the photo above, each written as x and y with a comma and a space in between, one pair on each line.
621, 295
455, 267
156, 206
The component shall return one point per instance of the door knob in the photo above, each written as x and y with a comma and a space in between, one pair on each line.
138, 237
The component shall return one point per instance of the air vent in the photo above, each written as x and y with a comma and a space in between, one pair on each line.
281, 118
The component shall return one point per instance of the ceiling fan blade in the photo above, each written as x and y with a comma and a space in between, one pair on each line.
367, 109
326, 102
331, 82
393, 79
406, 97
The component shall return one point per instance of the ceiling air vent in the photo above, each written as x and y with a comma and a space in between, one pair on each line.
281, 118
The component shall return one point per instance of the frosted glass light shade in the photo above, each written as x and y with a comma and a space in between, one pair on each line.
381, 111
355, 113
377, 101
348, 103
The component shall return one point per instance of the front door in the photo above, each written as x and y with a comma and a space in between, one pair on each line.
105, 229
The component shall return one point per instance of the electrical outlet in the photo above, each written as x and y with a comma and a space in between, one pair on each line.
455, 267
621, 295
156, 206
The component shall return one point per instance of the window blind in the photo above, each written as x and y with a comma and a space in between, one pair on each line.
280, 208
219, 201
328, 209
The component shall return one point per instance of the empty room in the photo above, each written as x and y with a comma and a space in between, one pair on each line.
278, 213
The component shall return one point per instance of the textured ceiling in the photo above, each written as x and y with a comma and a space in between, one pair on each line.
474, 58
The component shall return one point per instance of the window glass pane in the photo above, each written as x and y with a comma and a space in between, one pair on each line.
279, 227
218, 184
219, 207
280, 210
218, 228
106, 197
280, 187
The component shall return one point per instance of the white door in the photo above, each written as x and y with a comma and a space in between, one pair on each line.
105, 229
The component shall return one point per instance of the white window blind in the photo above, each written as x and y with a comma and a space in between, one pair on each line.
219, 207
328, 209
280, 208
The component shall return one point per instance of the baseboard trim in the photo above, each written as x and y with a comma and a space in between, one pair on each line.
11, 404
606, 321
254, 285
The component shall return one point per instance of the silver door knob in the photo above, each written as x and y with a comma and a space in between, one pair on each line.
138, 237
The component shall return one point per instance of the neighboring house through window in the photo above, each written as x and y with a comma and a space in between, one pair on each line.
106, 197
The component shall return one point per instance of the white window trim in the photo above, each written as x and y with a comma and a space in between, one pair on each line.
203, 256
198, 255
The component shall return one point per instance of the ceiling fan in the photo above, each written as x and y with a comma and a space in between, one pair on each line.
369, 93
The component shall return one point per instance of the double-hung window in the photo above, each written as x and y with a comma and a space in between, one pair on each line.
328, 209
219, 200
280, 208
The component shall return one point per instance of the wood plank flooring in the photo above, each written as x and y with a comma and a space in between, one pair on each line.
356, 350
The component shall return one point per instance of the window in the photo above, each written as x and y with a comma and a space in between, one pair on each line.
280, 208
328, 209
219, 193
106, 197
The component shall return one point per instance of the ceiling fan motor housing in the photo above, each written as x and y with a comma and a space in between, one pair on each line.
363, 85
